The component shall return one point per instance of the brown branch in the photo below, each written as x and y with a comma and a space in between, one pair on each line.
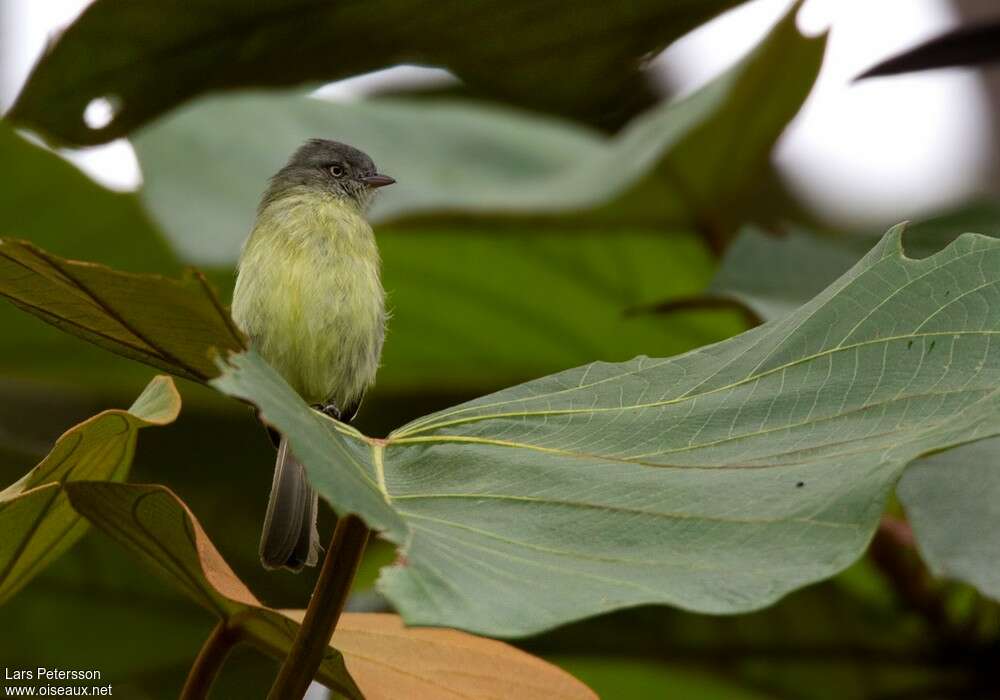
209, 661
700, 302
325, 606
892, 552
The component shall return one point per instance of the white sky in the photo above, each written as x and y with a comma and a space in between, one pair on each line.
869, 153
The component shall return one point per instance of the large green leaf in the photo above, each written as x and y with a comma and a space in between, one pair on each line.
371, 655
716, 481
36, 519
169, 324
950, 497
668, 168
582, 59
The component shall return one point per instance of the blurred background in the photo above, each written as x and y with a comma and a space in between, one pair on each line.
858, 157
917, 143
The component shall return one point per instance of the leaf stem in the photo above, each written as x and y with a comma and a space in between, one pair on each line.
209, 661
325, 606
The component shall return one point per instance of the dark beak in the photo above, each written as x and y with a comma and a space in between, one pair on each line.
374, 181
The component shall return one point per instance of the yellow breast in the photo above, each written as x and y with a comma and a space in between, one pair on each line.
309, 296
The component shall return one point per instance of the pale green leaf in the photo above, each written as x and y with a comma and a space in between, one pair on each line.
716, 481
951, 497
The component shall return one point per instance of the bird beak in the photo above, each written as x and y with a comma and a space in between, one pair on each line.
374, 181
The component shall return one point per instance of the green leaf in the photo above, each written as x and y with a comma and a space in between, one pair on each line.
85, 221
801, 264
371, 655
166, 323
35, 518
952, 500
666, 170
541, 211
476, 310
586, 63
949, 497
716, 481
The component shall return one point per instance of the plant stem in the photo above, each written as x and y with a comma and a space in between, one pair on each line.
325, 606
891, 552
209, 661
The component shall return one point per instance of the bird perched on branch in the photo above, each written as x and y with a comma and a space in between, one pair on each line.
309, 296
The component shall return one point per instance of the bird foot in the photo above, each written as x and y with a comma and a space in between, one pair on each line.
329, 409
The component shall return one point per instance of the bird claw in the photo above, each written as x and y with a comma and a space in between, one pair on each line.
329, 409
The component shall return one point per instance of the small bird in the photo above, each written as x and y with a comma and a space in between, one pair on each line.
309, 297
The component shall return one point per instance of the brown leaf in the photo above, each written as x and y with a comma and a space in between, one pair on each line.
389, 660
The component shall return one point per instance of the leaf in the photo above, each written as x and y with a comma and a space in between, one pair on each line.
156, 527
715, 481
952, 501
166, 323
385, 659
798, 266
965, 46
801, 264
667, 169
468, 258
950, 496
584, 64
825, 642
392, 661
89, 222
37, 522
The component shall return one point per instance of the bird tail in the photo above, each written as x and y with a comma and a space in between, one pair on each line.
290, 539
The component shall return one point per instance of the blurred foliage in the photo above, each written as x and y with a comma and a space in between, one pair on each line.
582, 60
515, 245
953, 501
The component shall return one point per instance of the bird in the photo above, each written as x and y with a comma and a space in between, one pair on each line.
309, 298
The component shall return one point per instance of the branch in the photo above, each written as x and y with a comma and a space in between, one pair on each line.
891, 551
325, 606
209, 661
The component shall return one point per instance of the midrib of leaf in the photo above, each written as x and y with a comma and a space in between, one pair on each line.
163, 353
378, 460
181, 572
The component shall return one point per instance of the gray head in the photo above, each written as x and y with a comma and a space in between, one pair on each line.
330, 167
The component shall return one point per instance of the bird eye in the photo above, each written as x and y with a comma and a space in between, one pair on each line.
336, 171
